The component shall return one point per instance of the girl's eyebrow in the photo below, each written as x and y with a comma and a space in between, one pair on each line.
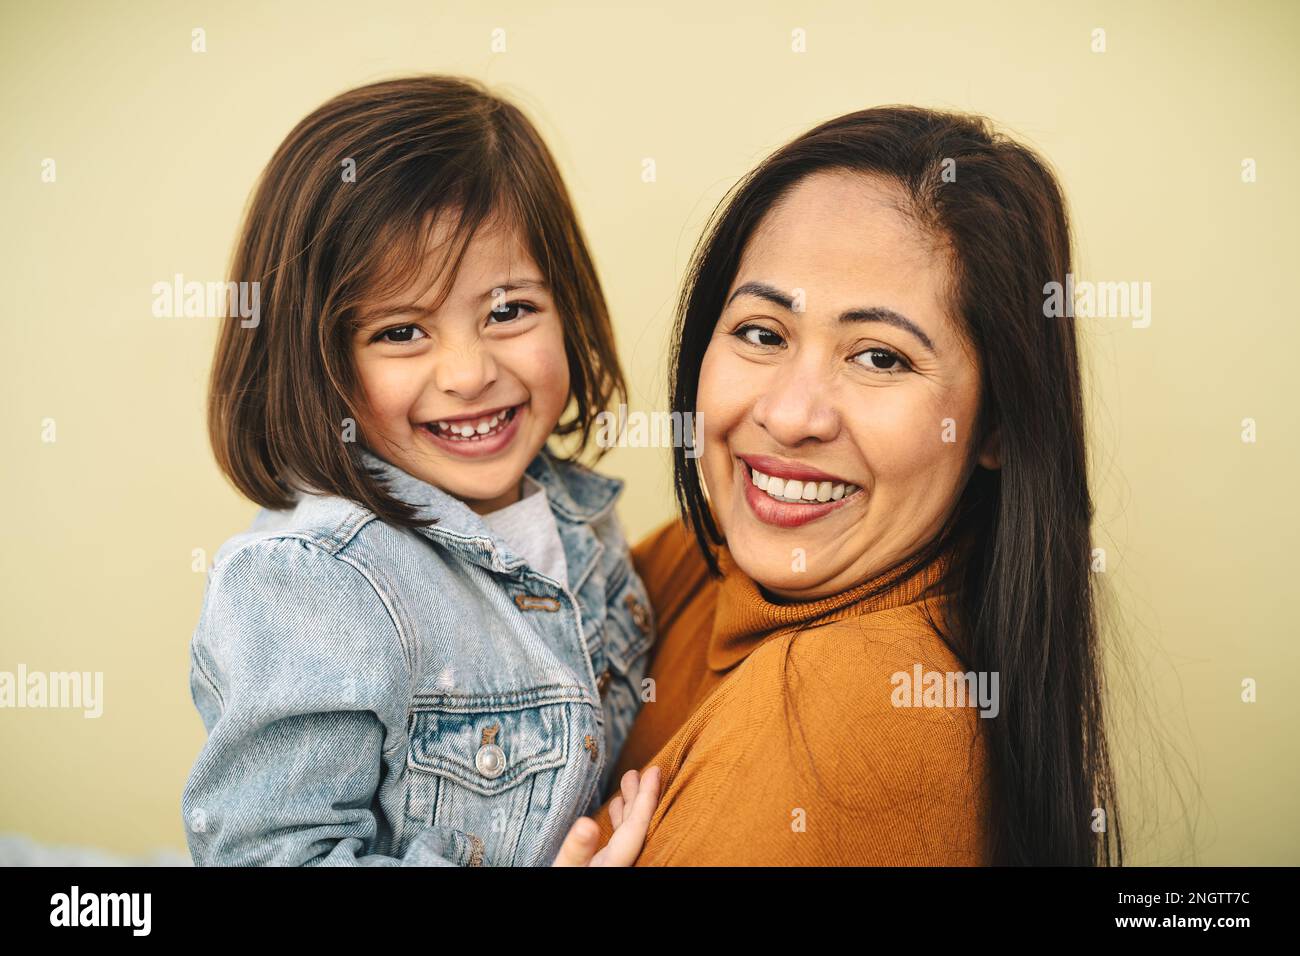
510, 285
505, 285
873, 313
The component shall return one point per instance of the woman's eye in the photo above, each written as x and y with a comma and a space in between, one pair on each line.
403, 333
757, 335
881, 360
511, 311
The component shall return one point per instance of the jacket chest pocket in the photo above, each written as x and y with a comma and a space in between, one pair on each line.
492, 767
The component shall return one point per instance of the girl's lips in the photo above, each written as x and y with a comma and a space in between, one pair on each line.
484, 446
787, 514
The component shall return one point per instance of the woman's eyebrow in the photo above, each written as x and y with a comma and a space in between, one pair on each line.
764, 291
873, 313
878, 313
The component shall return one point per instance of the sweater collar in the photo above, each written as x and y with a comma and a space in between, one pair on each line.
745, 618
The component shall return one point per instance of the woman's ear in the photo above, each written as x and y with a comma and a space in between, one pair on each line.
991, 451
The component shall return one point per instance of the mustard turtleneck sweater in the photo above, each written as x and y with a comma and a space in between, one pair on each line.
780, 742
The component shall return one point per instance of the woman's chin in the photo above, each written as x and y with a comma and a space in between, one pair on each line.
785, 573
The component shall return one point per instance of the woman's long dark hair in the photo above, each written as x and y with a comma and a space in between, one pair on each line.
1024, 603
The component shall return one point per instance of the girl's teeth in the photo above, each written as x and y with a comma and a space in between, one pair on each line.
804, 491
457, 430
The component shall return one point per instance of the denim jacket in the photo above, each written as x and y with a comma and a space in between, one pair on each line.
380, 696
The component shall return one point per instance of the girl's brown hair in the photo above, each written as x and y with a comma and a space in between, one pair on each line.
340, 215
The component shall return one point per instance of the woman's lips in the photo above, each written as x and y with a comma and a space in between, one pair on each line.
787, 469
832, 492
501, 429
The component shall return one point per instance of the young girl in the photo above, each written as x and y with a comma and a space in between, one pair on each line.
429, 647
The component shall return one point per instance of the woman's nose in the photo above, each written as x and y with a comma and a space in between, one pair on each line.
796, 407
466, 371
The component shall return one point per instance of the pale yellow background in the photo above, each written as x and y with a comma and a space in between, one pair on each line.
157, 148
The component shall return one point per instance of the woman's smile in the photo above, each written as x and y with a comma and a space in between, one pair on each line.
790, 494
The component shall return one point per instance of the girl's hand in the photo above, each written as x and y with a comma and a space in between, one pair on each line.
638, 798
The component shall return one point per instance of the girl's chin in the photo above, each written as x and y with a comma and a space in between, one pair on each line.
474, 483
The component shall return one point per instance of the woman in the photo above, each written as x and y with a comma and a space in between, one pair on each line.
889, 506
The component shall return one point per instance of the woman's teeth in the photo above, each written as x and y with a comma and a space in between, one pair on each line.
473, 429
801, 491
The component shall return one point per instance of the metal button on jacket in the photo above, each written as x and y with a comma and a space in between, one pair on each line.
490, 759
640, 617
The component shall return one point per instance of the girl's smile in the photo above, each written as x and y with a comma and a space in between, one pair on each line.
477, 436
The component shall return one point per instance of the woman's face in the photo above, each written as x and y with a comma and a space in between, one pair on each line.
837, 375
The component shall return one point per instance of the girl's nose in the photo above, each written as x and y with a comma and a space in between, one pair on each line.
797, 407
466, 372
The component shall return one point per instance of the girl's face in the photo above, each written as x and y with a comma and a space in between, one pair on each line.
465, 396
837, 397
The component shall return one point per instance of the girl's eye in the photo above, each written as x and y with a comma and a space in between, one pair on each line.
758, 335
882, 360
403, 333
511, 311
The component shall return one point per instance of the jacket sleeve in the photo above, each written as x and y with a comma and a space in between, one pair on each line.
302, 679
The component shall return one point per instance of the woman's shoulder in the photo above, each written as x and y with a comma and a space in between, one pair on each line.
870, 651
880, 687
812, 724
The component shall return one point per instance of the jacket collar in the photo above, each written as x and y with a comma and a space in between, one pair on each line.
578, 497
576, 494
